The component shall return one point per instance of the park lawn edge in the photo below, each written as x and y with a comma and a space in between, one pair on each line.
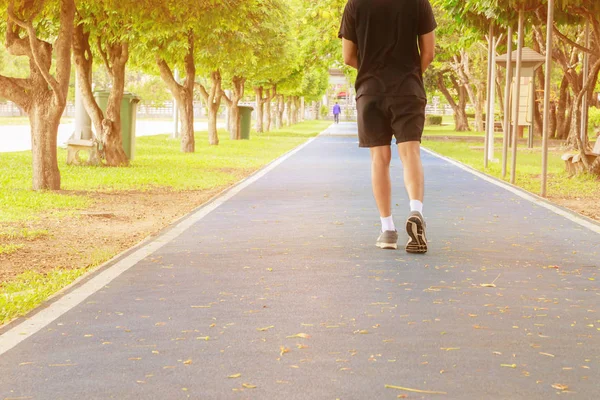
75, 276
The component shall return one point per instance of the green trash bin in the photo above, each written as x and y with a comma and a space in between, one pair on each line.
128, 118
245, 120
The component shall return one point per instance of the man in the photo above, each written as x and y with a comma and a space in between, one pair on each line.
391, 43
336, 112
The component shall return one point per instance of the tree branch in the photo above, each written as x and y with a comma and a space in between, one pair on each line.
103, 54
167, 76
190, 66
571, 42
224, 96
14, 89
63, 45
33, 44
203, 92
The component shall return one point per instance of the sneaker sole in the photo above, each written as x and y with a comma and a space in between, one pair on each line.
418, 242
387, 246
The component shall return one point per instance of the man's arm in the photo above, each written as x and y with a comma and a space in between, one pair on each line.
427, 49
350, 52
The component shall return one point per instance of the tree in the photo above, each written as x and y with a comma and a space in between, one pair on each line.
173, 32
109, 27
260, 54
42, 31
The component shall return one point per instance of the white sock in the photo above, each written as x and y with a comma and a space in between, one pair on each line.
416, 205
387, 224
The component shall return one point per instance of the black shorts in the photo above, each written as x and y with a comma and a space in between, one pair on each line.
380, 118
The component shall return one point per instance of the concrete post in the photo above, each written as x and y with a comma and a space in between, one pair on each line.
83, 122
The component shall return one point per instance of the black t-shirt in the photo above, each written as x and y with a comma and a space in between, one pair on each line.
386, 32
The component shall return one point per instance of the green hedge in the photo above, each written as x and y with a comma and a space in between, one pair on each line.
433, 120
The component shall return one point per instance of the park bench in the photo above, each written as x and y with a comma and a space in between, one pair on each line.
498, 126
574, 162
76, 145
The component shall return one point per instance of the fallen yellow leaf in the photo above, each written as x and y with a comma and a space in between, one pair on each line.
266, 328
248, 386
413, 390
299, 335
558, 386
187, 362
235, 376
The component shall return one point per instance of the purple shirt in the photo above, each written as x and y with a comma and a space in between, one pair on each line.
336, 109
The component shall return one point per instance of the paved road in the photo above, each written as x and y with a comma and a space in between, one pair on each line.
18, 137
283, 284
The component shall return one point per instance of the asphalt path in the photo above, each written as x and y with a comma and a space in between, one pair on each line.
280, 293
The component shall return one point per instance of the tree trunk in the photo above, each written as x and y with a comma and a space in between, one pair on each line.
479, 110
235, 131
184, 94
296, 110
271, 93
112, 139
185, 103
44, 118
280, 105
552, 122
462, 68
289, 111
460, 114
563, 119
213, 102
213, 137
268, 116
259, 108
574, 139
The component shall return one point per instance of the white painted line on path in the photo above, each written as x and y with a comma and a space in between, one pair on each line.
43, 318
539, 201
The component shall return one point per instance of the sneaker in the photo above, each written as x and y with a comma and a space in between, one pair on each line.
388, 240
415, 227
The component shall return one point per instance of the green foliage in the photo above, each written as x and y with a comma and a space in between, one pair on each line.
433, 120
151, 89
594, 117
324, 111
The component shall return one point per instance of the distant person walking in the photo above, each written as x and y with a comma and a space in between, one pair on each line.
391, 43
337, 110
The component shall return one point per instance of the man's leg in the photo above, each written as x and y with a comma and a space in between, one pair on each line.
380, 178
414, 181
382, 191
410, 154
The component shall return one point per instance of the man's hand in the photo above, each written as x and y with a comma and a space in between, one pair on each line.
427, 50
350, 52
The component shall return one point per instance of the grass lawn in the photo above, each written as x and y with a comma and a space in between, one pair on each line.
447, 129
158, 164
